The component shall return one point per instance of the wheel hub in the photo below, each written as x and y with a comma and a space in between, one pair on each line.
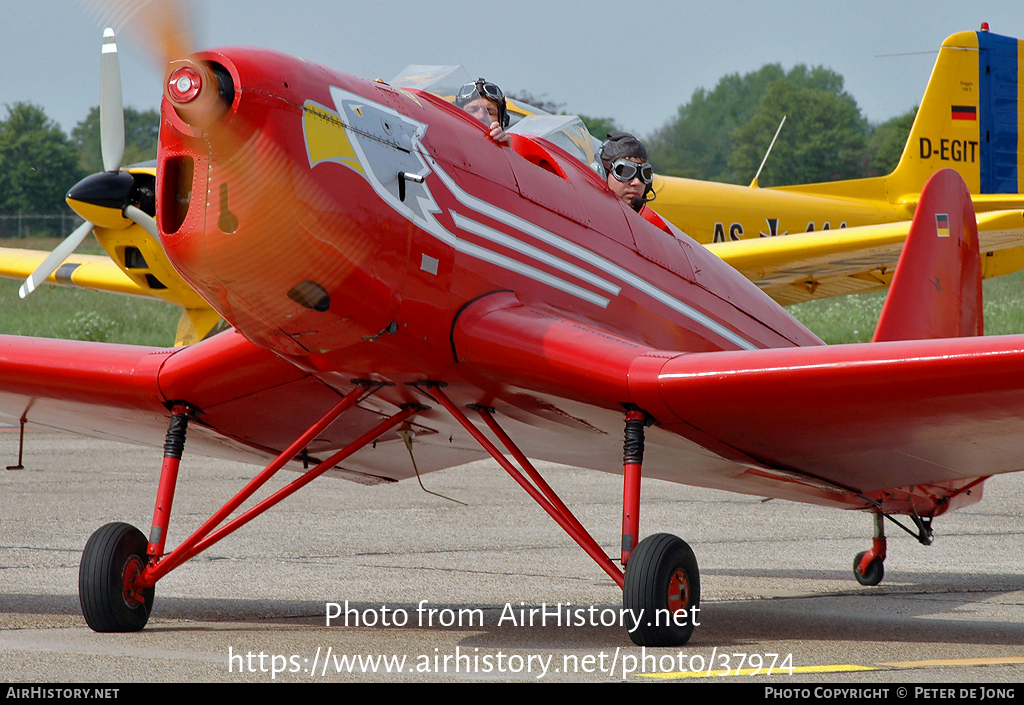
678, 592
132, 570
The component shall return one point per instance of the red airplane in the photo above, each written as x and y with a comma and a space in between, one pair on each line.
398, 281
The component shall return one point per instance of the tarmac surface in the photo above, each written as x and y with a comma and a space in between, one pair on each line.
433, 590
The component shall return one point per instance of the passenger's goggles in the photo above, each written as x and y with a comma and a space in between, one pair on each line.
483, 88
625, 171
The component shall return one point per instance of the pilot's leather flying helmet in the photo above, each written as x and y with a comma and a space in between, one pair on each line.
484, 89
623, 146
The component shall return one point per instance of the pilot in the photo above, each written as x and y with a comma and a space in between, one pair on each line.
627, 170
485, 101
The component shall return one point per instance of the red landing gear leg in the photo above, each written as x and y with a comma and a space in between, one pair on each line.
530, 480
119, 572
661, 585
632, 465
868, 565
661, 589
21, 447
109, 590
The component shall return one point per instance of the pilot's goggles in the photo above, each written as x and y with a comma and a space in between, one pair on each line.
483, 88
625, 171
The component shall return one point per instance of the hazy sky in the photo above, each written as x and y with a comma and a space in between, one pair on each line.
636, 63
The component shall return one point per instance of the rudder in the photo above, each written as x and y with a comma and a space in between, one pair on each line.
968, 118
936, 289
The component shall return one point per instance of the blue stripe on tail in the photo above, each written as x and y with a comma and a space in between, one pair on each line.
997, 76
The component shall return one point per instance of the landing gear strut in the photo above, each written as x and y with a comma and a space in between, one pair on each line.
120, 567
868, 566
111, 591
662, 583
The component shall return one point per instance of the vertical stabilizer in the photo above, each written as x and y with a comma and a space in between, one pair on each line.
936, 289
969, 118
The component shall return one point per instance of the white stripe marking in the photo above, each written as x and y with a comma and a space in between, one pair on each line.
586, 255
534, 252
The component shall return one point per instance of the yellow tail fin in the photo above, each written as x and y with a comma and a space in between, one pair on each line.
969, 119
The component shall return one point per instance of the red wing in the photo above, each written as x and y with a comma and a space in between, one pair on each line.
823, 424
98, 389
868, 417
120, 392
250, 403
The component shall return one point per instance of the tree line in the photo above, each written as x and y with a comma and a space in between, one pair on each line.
723, 134
39, 162
718, 135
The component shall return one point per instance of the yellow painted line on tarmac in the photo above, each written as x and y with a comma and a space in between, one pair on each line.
994, 661
839, 668
833, 668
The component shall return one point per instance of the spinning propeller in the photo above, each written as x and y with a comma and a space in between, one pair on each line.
104, 199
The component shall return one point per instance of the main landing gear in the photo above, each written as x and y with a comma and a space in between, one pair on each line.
661, 584
120, 568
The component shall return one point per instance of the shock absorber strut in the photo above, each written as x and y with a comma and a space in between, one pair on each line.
174, 446
632, 466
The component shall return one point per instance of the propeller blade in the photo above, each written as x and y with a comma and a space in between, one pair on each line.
111, 105
161, 29
55, 258
143, 219
170, 25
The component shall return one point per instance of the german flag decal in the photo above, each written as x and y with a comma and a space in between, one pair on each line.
964, 112
942, 224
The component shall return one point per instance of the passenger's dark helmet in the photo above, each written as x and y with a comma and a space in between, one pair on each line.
620, 145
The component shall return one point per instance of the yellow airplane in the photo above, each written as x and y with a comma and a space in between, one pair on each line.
841, 237
136, 264
969, 120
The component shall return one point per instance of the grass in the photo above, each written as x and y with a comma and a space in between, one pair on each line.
59, 312
852, 319
844, 319
56, 312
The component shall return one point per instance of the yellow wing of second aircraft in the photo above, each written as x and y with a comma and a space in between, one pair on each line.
817, 265
136, 264
94, 272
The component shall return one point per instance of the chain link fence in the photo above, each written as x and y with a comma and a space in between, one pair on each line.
52, 225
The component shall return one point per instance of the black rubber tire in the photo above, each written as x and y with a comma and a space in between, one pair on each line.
873, 575
109, 552
649, 575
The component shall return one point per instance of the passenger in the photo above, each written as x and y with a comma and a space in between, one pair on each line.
486, 102
628, 172
629, 176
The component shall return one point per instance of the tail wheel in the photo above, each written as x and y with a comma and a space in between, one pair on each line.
871, 574
114, 557
662, 590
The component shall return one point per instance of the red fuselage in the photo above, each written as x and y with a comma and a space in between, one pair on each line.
364, 231
278, 237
